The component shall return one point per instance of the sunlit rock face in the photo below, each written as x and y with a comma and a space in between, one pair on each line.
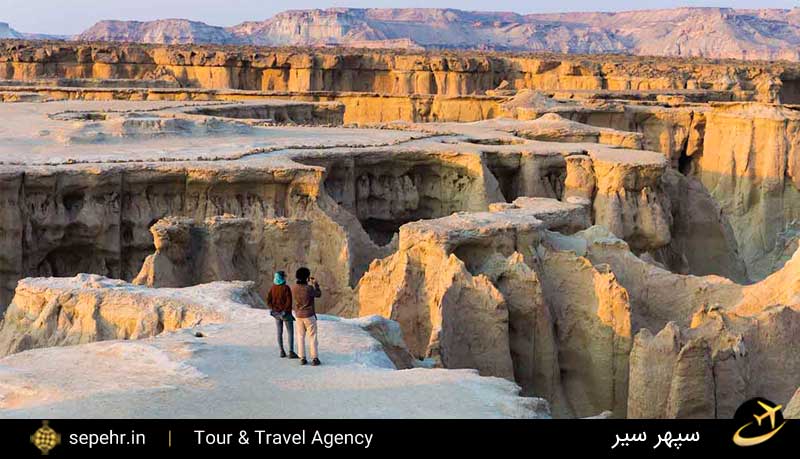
391, 72
751, 166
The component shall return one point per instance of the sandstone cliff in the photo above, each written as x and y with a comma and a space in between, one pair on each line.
565, 310
234, 248
390, 72
709, 369
468, 291
338, 207
751, 167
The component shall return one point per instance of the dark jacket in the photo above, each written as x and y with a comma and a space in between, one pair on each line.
279, 299
304, 295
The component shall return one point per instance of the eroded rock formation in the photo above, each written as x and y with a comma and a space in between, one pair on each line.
571, 306
751, 166
67, 311
465, 290
386, 71
617, 253
233, 248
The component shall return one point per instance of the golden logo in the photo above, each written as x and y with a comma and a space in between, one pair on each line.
45, 438
743, 439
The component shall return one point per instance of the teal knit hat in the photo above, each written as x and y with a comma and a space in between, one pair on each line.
280, 278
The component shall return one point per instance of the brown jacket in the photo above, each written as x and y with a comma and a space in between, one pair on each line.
279, 298
304, 295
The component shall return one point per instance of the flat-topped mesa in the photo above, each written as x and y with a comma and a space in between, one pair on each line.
629, 198
564, 217
67, 311
551, 127
437, 291
675, 129
505, 230
388, 71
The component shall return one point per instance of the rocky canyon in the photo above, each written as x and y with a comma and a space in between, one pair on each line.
512, 235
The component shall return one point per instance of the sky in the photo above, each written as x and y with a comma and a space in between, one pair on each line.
73, 16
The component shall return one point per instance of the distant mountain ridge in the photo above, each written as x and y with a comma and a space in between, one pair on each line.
164, 31
707, 32
6, 32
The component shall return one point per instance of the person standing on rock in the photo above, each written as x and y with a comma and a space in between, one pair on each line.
306, 315
279, 300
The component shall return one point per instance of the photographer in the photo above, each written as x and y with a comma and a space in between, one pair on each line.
303, 295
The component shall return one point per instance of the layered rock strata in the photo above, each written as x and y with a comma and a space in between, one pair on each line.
557, 252
354, 197
387, 72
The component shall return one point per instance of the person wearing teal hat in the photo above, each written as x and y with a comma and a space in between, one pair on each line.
279, 300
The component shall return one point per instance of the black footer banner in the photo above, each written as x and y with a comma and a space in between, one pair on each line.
257, 438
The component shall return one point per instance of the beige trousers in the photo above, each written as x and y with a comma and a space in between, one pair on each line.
306, 327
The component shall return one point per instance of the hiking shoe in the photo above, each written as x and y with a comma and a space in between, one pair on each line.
292, 355
315, 362
303, 361
283, 354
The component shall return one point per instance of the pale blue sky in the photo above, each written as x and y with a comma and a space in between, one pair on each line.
72, 16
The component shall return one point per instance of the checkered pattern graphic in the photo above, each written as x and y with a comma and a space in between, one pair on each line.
45, 439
